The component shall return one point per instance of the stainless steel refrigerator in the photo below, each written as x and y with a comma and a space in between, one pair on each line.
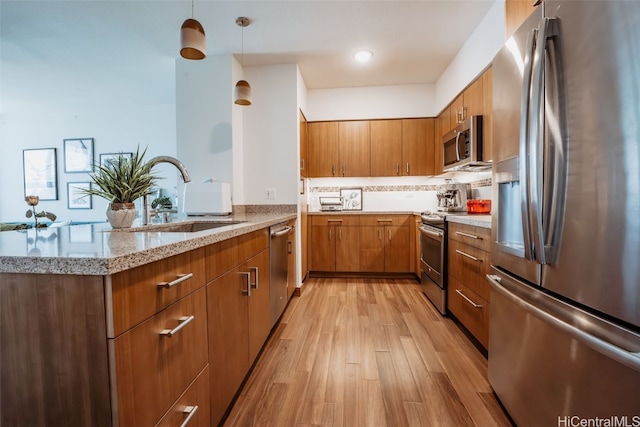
564, 341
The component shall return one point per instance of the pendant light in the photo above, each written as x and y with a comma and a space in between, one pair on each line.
242, 93
193, 39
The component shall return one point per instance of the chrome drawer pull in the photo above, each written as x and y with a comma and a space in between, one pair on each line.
255, 271
181, 278
190, 411
184, 321
247, 291
334, 220
384, 220
458, 291
467, 255
471, 236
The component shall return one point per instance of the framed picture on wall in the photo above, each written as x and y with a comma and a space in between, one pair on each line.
40, 173
106, 159
351, 199
76, 197
78, 155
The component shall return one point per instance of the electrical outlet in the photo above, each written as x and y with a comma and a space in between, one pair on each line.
271, 193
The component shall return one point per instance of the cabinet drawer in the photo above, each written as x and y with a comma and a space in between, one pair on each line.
155, 366
139, 293
345, 220
470, 309
470, 266
382, 220
478, 237
194, 403
224, 256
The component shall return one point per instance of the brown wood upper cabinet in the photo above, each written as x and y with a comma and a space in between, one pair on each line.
516, 11
402, 147
339, 149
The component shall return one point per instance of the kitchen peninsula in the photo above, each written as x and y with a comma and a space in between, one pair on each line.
104, 328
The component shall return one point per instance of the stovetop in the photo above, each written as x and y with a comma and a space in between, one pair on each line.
433, 218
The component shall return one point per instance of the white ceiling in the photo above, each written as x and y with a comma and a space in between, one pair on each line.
86, 40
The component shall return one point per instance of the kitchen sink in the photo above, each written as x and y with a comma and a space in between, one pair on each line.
181, 227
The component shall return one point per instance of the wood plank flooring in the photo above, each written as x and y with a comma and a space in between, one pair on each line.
366, 352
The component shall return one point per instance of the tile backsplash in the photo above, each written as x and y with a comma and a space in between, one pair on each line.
414, 194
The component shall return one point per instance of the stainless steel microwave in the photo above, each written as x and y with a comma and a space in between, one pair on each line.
462, 147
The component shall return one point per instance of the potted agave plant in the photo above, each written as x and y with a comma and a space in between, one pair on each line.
121, 182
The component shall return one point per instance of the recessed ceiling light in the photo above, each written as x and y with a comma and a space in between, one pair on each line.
362, 55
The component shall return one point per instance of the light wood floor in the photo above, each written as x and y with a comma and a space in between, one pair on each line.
364, 352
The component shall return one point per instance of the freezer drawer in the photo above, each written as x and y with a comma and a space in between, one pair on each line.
549, 360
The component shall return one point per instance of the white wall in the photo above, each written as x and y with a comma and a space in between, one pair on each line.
204, 117
379, 102
476, 54
114, 128
270, 129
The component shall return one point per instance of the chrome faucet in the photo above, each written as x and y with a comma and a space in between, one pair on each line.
163, 159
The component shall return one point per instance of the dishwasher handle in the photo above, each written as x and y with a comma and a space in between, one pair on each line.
280, 232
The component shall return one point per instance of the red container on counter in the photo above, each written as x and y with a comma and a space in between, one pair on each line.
480, 206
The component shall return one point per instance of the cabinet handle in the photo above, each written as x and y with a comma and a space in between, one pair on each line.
301, 164
190, 412
181, 278
184, 321
385, 220
467, 255
340, 234
289, 247
389, 233
329, 234
458, 291
255, 271
379, 234
397, 169
407, 168
334, 220
247, 292
343, 170
471, 236
333, 169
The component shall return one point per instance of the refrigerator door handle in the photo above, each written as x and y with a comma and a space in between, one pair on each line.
620, 355
535, 140
524, 143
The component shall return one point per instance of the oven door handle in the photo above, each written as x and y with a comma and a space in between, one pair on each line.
431, 233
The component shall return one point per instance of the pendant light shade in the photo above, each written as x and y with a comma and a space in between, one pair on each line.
242, 93
193, 41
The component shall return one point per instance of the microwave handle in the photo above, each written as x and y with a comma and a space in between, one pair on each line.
458, 147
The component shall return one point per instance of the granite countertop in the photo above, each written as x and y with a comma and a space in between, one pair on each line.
96, 249
477, 220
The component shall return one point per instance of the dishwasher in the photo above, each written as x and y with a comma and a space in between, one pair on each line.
278, 270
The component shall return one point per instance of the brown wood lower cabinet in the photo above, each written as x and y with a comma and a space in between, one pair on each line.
239, 319
159, 344
385, 243
335, 243
468, 289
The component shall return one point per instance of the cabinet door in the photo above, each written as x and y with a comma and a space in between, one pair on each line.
516, 11
396, 252
227, 307
323, 149
355, 148
473, 99
323, 249
372, 248
417, 147
259, 302
487, 114
386, 147
442, 121
347, 248
304, 166
457, 112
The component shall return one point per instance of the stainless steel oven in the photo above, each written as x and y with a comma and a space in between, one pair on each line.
432, 263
